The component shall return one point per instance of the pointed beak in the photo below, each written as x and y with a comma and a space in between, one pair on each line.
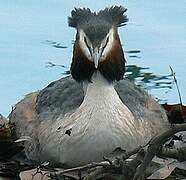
96, 55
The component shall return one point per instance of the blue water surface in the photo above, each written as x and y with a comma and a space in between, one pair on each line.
157, 28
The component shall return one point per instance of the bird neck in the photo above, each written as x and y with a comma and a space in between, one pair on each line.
99, 90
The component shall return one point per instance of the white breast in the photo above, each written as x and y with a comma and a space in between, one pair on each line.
97, 127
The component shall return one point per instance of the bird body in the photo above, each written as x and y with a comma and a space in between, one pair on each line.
77, 121
105, 116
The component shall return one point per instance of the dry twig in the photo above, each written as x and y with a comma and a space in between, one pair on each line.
176, 153
154, 148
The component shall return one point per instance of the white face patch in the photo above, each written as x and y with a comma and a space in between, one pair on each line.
83, 45
105, 46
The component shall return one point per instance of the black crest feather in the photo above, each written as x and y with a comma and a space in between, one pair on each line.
114, 15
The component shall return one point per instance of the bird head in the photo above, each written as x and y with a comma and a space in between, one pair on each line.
97, 46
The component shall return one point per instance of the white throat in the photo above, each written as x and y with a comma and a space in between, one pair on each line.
100, 92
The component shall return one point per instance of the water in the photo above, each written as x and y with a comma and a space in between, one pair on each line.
156, 28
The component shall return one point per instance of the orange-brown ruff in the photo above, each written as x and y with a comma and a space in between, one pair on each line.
83, 117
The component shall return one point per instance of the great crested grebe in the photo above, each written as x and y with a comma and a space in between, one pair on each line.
80, 118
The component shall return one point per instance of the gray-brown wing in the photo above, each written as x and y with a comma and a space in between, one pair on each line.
141, 104
59, 97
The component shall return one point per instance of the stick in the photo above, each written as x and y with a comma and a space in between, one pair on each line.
177, 87
87, 166
155, 146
